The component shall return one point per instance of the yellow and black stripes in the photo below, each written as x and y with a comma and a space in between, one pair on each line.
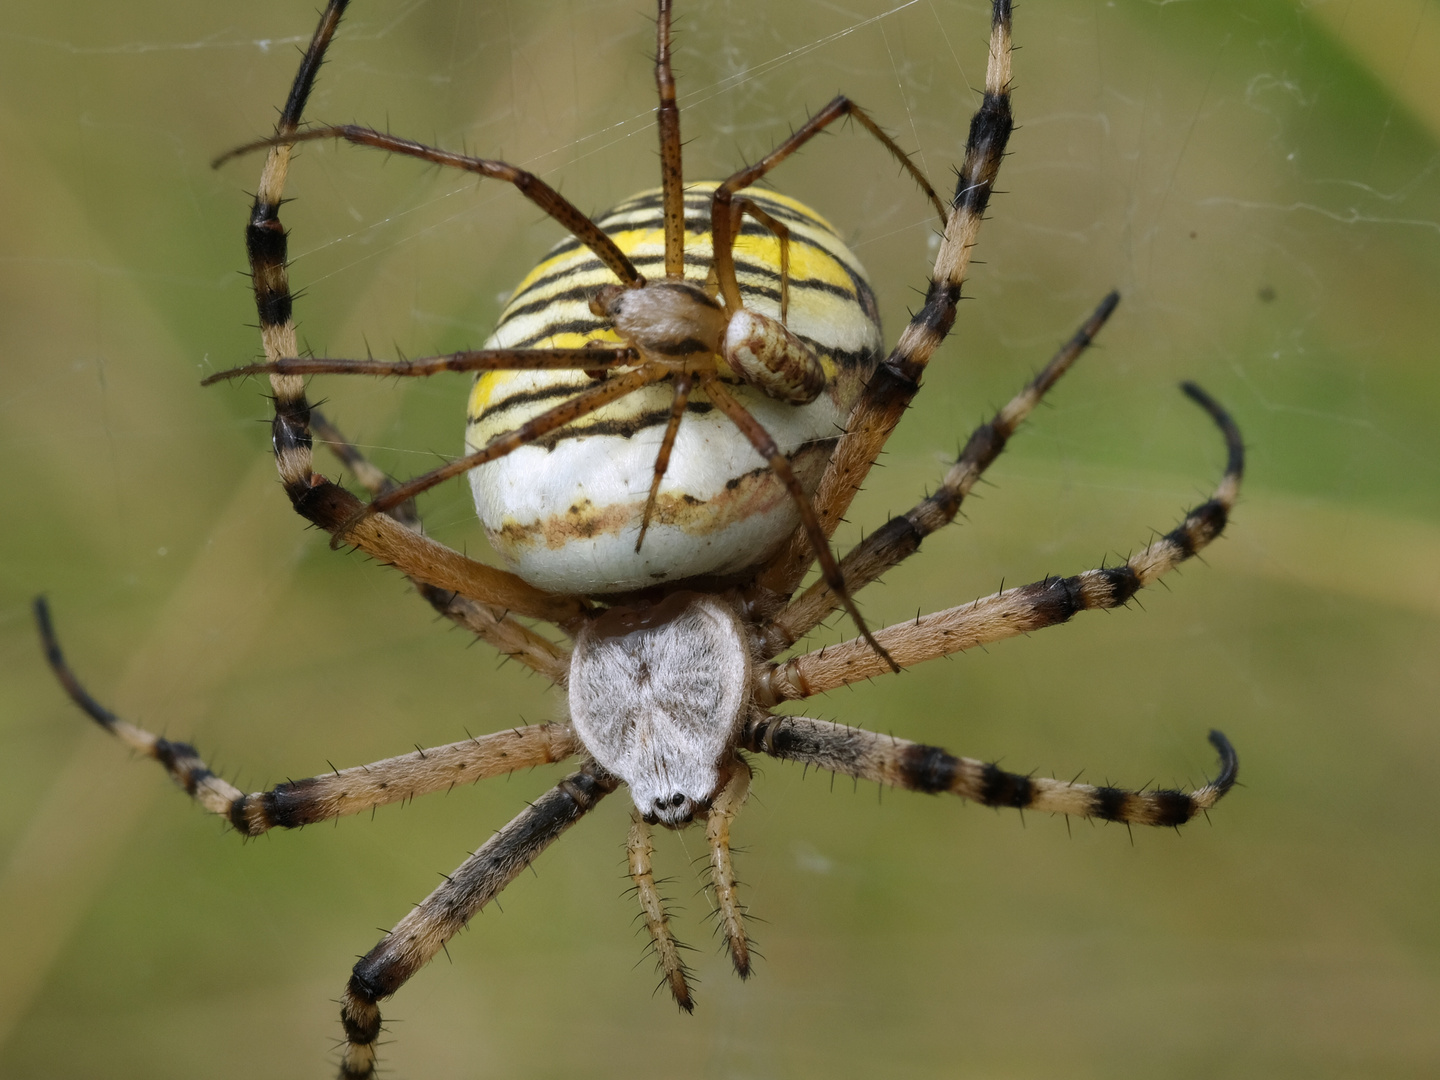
890, 389
551, 306
567, 510
1021, 610
424, 931
900, 537
916, 767
636, 224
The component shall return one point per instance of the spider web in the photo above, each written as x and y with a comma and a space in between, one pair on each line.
1261, 180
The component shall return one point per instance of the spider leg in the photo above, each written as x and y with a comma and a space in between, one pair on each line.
331, 795
888, 393
325, 504
723, 220
383, 538
738, 209
528, 184
639, 848
900, 536
683, 382
672, 174
589, 358
1020, 610
568, 411
722, 869
423, 932
916, 767
765, 446
488, 623
372, 478
555, 205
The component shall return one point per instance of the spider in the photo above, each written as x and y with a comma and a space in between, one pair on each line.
673, 672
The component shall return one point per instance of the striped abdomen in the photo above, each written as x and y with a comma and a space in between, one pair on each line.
565, 510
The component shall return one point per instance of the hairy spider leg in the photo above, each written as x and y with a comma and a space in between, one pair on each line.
728, 908
512, 639
888, 393
315, 498
894, 762
422, 933
338, 793
674, 972
900, 537
1020, 610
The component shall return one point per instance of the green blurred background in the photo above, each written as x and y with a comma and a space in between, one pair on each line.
1261, 179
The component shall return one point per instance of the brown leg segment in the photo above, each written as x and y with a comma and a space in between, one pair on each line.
722, 868
766, 448
490, 624
683, 382
673, 969
672, 173
528, 184
584, 359
900, 537
738, 209
582, 404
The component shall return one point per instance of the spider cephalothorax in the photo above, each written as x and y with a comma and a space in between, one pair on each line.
610, 405
657, 695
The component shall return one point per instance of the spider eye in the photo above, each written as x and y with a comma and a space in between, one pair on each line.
672, 810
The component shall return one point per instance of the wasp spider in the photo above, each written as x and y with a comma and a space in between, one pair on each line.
667, 528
